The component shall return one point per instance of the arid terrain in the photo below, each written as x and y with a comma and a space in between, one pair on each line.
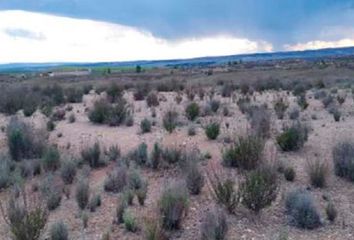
211, 125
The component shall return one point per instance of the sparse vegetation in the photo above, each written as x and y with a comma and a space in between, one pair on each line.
173, 205
259, 118
289, 174
280, 107
116, 180
246, 153
301, 210
145, 125
317, 171
259, 189
343, 160
293, 138
212, 130
82, 193
59, 231
214, 225
152, 99
192, 111
331, 212
224, 192
51, 159
23, 141
194, 178
92, 156
170, 120
26, 217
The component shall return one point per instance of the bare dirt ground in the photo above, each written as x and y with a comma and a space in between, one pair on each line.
244, 224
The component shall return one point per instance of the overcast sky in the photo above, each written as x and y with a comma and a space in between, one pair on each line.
116, 30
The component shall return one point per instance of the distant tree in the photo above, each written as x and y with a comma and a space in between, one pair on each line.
138, 68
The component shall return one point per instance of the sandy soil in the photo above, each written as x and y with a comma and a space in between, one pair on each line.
243, 225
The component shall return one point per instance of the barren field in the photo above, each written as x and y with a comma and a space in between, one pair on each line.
318, 99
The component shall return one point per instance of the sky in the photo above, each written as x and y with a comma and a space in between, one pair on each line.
116, 30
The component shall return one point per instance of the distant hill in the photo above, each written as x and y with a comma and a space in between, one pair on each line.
203, 61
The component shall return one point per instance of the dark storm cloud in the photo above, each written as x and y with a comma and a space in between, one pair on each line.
277, 21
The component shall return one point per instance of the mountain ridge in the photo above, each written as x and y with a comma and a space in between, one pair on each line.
306, 55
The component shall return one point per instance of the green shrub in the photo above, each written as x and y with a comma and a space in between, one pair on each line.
212, 130
92, 156
289, 174
327, 101
244, 104
341, 99
224, 192
331, 212
214, 105
301, 210
140, 154
194, 178
170, 120
116, 180
153, 230
73, 95
294, 113
25, 219
50, 126
172, 155
317, 172
23, 141
343, 160
129, 221
246, 153
191, 131
336, 113
95, 202
226, 91
100, 113
59, 231
301, 101
58, 115
55, 93
145, 126
214, 225
82, 194
293, 138
259, 188
113, 153
141, 92
141, 193
68, 171
129, 120
152, 99
173, 205
120, 209
156, 156
128, 196
72, 118
120, 114
280, 107
84, 218
10, 102
51, 159
5, 172
111, 114
51, 191
192, 111
135, 181
30, 104
259, 118
114, 92
225, 111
